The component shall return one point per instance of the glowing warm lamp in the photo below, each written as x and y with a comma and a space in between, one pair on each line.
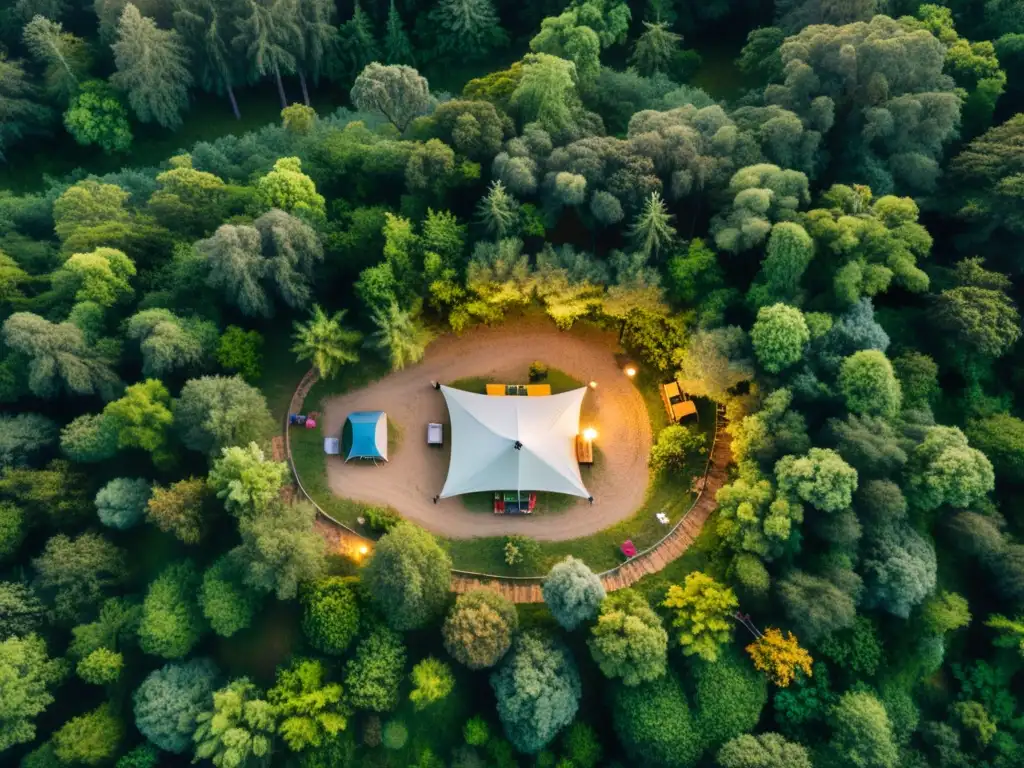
589, 434
630, 371
593, 385
363, 549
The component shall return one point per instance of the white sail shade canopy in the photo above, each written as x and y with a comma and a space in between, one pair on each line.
487, 430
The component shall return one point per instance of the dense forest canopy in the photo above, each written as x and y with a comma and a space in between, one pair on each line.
830, 251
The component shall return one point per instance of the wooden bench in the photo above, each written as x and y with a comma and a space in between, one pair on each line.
584, 450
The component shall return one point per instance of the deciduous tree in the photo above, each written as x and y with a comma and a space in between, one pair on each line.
226, 602
944, 469
239, 727
310, 708
862, 735
573, 593
178, 509
432, 681
330, 616
479, 628
90, 739
779, 337
58, 358
375, 672
170, 700
216, 412
408, 576
28, 674
397, 92
122, 502
77, 572
821, 478
96, 115
172, 622
280, 549
779, 657
628, 640
538, 690
702, 611
246, 480
765, 750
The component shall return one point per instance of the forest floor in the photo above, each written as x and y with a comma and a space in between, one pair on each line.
416, 471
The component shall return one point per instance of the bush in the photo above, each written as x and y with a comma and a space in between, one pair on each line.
674, 446
330, 616
521, 552
381, 519
395, 735
538, 371
476, 731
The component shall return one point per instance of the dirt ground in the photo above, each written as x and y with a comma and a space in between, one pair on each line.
416, 471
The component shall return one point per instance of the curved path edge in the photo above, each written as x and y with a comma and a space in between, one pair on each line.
527, 589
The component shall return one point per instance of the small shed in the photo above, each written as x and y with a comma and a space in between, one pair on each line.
369, 435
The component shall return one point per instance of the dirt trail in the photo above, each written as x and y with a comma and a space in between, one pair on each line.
417, 471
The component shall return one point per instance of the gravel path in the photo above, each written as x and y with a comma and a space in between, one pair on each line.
417, 471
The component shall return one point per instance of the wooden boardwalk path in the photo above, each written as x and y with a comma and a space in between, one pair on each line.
342, 539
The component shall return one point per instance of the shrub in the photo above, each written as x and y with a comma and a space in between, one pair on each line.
521, 551
476, 731
381, 519
330, 617
395, 735
538, 371
674, 446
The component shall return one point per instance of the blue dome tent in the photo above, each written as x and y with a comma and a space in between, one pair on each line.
369, 435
